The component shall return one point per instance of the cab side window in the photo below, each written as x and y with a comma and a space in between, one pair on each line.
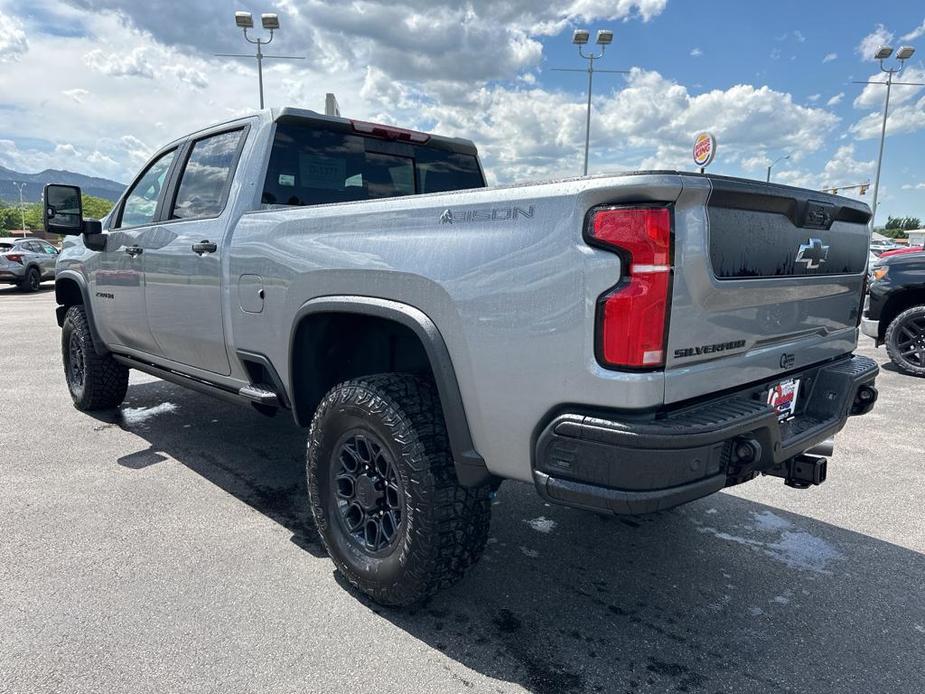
141, 202
207, 176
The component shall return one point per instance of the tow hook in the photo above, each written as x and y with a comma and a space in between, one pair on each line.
805, 470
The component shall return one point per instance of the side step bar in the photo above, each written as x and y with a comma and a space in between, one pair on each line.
250, 394
260, 394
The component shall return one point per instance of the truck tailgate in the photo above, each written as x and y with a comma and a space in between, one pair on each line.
767, 279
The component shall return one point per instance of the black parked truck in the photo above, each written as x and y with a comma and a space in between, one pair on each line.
894, 312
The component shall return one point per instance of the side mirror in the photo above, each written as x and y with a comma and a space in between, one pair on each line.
62, 212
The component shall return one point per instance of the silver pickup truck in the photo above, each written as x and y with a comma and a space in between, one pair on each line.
626, 343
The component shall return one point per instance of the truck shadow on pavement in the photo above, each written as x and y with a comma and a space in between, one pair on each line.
723, 594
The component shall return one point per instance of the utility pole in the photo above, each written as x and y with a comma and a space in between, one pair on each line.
22, 206
902, 55
270, 22
580, 38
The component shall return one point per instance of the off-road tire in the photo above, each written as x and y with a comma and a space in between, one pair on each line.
444, 525
104, 381
31, 281
910, 324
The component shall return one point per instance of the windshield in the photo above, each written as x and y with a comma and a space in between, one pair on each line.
4, 247
310, 166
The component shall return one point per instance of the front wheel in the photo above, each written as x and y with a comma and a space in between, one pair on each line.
384, 493
95, 381
905, 341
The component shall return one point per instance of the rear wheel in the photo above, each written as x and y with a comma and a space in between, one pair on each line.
31, 281
905, 341
384, 493
96, 382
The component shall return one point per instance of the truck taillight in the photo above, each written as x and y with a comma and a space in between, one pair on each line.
632, 317
15, 257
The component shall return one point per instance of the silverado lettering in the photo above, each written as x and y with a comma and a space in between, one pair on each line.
708, 349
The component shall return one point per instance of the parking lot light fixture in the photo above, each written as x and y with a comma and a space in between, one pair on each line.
580, 38
270, 22
882, 54
773, 163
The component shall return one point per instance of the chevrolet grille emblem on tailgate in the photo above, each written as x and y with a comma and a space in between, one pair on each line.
813, 253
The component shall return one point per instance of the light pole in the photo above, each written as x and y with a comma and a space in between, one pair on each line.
902, 55
22, 207
270, 22
580, 38
773, 163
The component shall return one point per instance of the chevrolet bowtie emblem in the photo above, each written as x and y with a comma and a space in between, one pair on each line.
813, 254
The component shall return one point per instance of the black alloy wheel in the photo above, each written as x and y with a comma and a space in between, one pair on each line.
905, 341
370, 498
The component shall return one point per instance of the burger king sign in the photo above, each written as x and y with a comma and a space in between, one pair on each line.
704, 149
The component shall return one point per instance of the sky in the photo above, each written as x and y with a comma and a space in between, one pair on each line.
94, 86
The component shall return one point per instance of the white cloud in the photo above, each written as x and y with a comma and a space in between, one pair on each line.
914, 186
868, 46
872, 96
407, 39
798, 35
66, 149
696, 52
13, 42
835, 100
829, 57
844, 169
907, 106
814, 97
903, 119
916, 33
648, 124
133, 64
77, 95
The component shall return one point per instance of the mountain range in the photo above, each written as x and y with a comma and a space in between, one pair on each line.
32, 192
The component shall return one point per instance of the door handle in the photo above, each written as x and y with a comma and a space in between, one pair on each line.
204, 247
134, 250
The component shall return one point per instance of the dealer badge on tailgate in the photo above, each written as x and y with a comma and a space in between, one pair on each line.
783, 398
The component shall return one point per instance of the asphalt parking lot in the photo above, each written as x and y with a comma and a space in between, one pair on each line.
167, 548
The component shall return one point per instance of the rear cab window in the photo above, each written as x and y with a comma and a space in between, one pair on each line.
318, 163
206, 178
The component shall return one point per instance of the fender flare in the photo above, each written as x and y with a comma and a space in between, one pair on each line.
471, 470
81, 283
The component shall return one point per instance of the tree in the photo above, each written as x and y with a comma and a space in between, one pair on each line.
95, 208
11, 217
904, 223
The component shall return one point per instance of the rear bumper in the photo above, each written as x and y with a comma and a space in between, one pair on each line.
11, 277
628, 465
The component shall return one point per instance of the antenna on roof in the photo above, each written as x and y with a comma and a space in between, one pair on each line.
331, 107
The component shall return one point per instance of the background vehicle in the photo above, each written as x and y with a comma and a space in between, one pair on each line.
900, 251
880, 246
588, 336
894, 312
26, 262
